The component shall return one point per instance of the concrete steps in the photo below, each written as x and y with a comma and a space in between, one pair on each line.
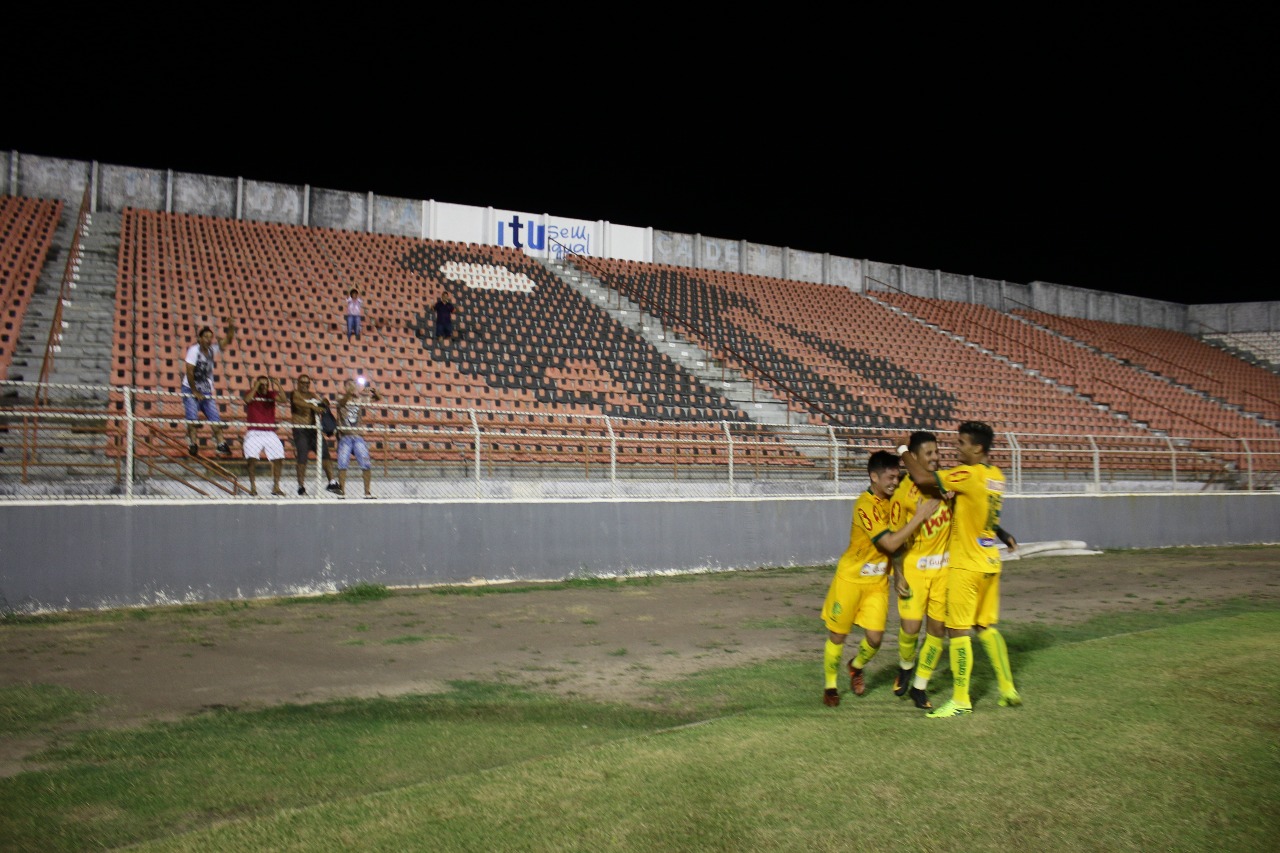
82, 355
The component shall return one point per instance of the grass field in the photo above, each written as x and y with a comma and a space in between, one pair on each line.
1144, 731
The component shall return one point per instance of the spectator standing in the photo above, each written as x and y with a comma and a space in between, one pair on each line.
197, 386
305, 406
355, 395
355, 311
444, 309
260, 436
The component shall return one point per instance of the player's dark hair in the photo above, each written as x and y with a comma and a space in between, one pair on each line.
979, 433
881, 460
920, 437
205, 329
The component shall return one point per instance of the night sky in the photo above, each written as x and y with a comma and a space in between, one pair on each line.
1133, 164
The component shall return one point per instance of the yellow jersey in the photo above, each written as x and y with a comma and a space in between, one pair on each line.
862, 561
979, 495
927, 547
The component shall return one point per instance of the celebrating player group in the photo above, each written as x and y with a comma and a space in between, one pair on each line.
932, 531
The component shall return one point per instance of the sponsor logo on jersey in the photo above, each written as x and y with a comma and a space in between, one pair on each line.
937, 521
933, 561
872, 569
996, 485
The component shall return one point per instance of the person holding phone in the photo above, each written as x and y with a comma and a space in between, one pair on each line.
356, 394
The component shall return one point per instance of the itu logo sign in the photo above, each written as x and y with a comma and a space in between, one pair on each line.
558, 240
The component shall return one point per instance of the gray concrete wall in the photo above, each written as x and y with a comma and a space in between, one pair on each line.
116, 187
1234, 317
1112, 307
94, 555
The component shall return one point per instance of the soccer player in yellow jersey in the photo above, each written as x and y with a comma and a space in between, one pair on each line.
859, 592
973, 584
923, 562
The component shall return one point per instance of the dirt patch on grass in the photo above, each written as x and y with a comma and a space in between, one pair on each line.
610, 641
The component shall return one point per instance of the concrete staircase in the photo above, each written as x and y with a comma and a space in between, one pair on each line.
88, 312
69, 444
757, 403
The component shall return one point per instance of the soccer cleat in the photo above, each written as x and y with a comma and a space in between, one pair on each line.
856, 682
902, 681
332, 487
224, 449
1010, 699
949, 709
302, 490
831, 697
921, 699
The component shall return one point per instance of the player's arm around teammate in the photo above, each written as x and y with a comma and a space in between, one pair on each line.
923, 560
859, 591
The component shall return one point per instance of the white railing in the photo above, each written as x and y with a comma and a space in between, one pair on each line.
136, 448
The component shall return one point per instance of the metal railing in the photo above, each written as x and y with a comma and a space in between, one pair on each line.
135, 447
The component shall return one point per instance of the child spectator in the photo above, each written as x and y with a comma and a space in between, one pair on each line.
355, 310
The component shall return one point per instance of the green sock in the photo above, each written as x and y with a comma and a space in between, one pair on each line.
865, 653
961, 667
930, 657
907, 646
998, 651
831, 662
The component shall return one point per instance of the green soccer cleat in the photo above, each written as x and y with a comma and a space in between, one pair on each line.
1010, 699
949, 709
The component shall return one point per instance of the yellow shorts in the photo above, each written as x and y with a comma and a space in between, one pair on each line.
928, 595
973, 598
850, 603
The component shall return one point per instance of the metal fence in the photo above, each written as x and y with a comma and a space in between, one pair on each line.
124, 443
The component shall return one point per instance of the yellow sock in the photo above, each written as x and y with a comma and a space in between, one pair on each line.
998, 651
865, 653
831, 662
961, 669
907, 645
930, 657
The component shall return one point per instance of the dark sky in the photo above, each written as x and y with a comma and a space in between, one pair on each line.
1138, 170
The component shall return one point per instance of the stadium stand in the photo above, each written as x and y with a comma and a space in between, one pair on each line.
1261, 348
1148, 401
539, 375
845, 360
26, 234
1179, 357
528, 350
